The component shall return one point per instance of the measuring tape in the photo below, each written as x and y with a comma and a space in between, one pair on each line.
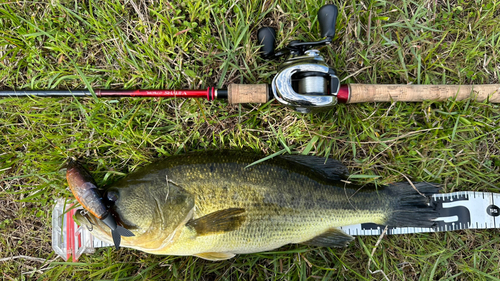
457, 210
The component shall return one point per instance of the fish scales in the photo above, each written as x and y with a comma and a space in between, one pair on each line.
285, 208
213, 203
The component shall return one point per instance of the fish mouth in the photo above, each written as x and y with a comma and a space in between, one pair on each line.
94, 225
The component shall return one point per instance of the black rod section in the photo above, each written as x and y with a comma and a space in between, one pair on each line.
45, 93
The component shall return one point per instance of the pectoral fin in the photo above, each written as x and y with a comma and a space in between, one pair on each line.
213, 256
219, 221
331, 238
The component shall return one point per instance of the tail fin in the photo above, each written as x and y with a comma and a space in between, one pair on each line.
410, 207
117, 234
124, 232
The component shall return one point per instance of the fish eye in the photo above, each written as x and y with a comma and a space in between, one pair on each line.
112, 196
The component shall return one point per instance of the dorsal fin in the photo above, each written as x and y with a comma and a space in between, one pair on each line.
219, 221
331, 238
329, 169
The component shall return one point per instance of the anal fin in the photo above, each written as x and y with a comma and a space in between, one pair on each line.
219, 221
215, 256
331, 238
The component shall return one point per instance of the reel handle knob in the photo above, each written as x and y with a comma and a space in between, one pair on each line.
267, 37
327, 17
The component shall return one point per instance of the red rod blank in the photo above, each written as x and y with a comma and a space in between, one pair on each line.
208, 93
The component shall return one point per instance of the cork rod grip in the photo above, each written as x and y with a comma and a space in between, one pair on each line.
247, 93
418, 93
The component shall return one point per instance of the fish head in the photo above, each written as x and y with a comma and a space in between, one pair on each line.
152, 211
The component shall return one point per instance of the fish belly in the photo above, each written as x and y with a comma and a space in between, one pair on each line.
266, 230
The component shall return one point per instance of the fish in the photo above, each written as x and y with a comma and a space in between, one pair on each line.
217, 204
86, 192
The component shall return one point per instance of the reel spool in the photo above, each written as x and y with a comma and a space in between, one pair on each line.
304, 82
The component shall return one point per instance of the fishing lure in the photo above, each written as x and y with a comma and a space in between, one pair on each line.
85, 190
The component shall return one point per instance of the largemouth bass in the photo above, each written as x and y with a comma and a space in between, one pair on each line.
211, 205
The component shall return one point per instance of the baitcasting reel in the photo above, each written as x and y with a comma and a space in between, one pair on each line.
304, 82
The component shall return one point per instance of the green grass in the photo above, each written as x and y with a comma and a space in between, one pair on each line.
192, 44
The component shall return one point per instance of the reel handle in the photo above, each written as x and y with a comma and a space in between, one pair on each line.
327, 17
267, 37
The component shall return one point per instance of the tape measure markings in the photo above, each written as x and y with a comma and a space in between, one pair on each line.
457, 210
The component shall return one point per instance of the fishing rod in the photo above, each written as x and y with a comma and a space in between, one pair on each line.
304, 81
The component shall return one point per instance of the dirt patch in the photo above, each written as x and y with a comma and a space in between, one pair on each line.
25, 238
